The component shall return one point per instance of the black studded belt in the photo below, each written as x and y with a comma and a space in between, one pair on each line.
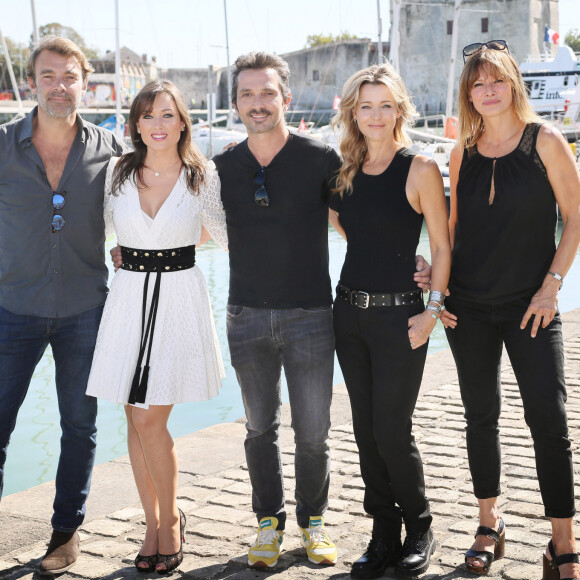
158, 262
373, 299
172, 260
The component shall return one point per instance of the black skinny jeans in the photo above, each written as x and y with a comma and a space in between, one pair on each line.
538, 365
383, 375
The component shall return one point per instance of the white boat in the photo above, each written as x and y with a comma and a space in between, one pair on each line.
551, 81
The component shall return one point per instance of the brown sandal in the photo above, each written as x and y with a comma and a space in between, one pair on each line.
487, 557
551, 570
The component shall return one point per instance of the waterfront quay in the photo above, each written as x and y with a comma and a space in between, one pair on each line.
215, 494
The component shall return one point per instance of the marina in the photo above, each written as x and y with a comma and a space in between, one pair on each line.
34, 448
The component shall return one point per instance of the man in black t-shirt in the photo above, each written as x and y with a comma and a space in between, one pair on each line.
275, 191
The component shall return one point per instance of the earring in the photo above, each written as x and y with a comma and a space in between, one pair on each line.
182, 129
139, 131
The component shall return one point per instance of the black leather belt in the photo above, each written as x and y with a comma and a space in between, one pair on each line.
151, 262
373, 299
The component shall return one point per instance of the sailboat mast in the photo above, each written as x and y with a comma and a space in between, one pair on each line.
229, 79
380, 29
11, 73
454, 42
34, 22
118, 131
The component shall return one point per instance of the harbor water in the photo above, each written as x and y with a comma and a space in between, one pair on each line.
34, 448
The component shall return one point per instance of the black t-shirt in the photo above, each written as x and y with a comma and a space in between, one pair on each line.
382, 229
279, 254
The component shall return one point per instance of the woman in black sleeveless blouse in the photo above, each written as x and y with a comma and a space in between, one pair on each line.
380, 321
507, 173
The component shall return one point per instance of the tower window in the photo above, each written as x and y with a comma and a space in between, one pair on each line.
450, 27
484, 24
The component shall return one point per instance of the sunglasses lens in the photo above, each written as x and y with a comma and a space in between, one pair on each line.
472, 48
58, 201
57, 222
260, 178
261, 197
497, 45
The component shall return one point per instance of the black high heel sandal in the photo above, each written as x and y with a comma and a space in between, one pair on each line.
151, 562
172, 561
551, 570
487, 558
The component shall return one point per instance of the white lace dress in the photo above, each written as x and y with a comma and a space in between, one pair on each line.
186, 362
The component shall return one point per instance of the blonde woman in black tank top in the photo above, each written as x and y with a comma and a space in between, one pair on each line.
507, 173
380, 322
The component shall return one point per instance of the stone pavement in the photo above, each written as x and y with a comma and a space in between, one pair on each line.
215, 494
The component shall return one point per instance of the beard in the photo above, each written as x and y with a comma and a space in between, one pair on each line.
58, 109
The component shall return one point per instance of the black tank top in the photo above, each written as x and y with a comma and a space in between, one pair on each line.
382, 229
503, 251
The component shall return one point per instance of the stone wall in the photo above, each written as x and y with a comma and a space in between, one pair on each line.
425, 45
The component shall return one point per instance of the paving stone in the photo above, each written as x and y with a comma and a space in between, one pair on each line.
221, 514
240, 502
213, 482
107, 527
216, 530
239, 487
237, 474
109, 548
127, 514
195, 492
528, 510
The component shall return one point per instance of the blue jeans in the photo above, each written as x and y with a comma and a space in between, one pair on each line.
23, 340
261, 342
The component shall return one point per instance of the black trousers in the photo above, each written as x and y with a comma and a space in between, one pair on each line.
383, 375
538, 365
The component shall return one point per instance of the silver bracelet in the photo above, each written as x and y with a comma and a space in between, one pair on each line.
557, 277
436, 296
434, 309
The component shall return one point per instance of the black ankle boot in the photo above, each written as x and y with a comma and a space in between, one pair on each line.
380, 554
416, 553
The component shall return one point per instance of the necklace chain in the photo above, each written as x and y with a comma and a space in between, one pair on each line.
158, 173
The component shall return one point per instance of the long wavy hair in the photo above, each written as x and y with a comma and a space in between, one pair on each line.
131, 165
353, 147
498, 64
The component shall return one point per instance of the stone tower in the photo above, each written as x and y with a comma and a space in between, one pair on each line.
425, 31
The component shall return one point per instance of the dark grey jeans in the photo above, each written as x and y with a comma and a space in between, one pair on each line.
261, 342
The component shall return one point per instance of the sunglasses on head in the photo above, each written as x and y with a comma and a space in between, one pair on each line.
57, 204
476, 47
261, 196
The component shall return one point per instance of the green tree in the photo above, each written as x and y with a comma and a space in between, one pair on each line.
572, 39
68, 32
313, 40
19, 53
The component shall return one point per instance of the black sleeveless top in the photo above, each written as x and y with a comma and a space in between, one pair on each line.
382, 229
503, 250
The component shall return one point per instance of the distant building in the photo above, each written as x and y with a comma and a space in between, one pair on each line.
136, 72
196, 83
426, 28
319, 73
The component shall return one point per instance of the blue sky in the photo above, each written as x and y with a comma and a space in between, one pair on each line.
191, 33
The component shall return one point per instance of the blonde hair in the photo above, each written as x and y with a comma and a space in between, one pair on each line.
353, 146
498, 64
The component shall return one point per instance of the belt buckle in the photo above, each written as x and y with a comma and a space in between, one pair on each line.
366, 297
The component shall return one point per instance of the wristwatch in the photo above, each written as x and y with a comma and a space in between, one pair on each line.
558, 277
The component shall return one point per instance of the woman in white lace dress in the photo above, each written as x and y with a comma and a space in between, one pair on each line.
157, 344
